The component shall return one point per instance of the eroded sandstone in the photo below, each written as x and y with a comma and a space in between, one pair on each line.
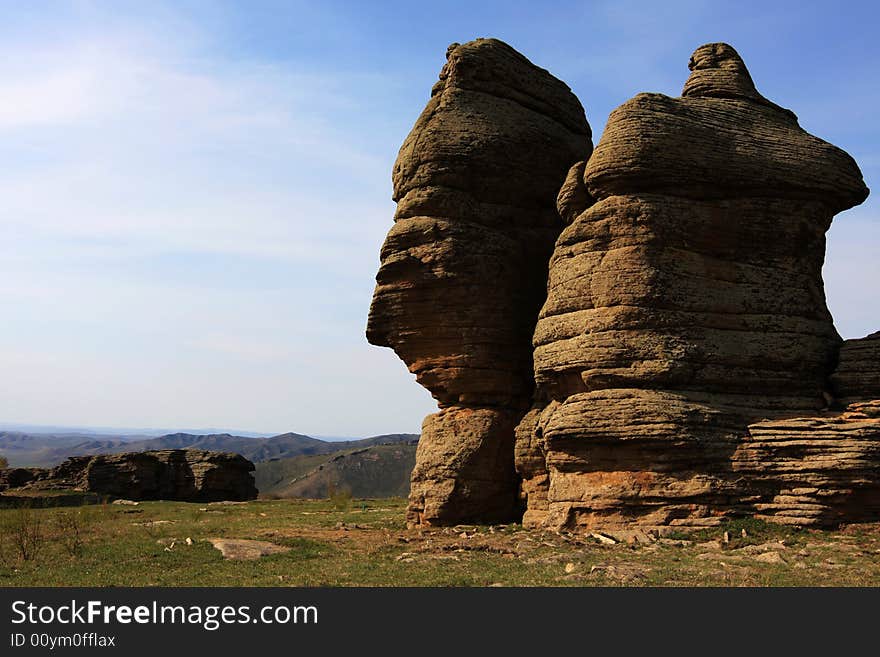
463, 269
821, 470
857, 376
685, 306
684, 367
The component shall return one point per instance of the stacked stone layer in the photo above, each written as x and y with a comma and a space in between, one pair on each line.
815, 470
857, 377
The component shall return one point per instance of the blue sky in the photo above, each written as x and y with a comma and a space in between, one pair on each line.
193, 194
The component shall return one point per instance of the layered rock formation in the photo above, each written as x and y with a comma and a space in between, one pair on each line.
820, 470
686, 366
685, 305
15, 477
857, 377
187, 475
463, 269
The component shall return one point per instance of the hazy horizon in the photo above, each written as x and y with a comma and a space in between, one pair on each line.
153, 432
194, 193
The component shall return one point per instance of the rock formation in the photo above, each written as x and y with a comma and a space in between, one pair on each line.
857, 377
686, 366
685, 306
187, 475
463, 270
15, 477
820, 470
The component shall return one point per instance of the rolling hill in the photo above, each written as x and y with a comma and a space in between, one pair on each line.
44, 450
372, 471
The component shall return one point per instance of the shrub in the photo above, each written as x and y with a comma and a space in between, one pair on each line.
4, 462
340, 497
23, 532
73, 525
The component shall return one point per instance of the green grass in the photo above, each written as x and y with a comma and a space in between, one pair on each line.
369, 545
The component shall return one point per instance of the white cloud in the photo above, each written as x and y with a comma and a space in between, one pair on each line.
134, 175
152, 147
59, 98
190, 239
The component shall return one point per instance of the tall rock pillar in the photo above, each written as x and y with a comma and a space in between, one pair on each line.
463, 269
686, 303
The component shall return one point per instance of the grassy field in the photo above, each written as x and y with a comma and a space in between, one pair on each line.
365, 542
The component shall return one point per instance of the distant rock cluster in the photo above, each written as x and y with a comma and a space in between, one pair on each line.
186, 475
632, 336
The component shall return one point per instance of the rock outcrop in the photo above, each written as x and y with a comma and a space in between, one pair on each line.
15, 477
187, 475
685, 365
685, 305
815, 470
463, 270
857, 377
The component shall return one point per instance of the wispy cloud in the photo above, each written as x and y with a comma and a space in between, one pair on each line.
192, 199
116, 143
170, 216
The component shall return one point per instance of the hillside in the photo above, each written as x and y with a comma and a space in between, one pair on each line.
45, 450
374, 471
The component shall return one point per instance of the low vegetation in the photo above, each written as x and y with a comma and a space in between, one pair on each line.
22, 535
365, 542
339, 497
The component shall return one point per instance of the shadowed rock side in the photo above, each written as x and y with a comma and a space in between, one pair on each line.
463, 270
857, 377
189, 475
684, 305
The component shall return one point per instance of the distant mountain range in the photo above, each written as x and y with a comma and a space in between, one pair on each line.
48, 449
122, 432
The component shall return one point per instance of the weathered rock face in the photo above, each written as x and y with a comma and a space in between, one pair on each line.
463, 270
686, 367
15, 477
814, 470
187, 475
685, 305
857, 377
